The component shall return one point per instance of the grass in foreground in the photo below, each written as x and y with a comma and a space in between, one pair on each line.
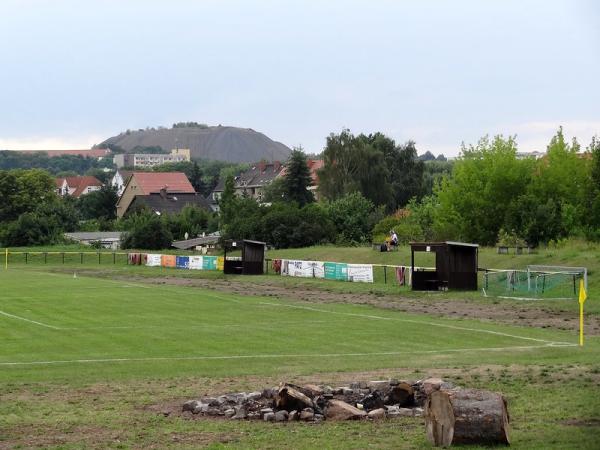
126, 339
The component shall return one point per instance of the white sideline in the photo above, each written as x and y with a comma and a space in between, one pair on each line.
435, 324
29, 320
293, 355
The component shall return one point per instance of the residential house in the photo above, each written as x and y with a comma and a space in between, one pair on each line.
77, 186
106, 239
119, 179
313, 165
147, 160
251, 183
162, 192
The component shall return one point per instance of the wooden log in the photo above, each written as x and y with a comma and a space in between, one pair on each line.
466, 416
290, 398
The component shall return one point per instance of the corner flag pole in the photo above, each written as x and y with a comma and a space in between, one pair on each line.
582, 297
6, 258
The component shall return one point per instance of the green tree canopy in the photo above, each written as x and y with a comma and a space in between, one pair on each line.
297, 179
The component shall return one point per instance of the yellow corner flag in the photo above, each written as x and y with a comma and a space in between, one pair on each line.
582, 297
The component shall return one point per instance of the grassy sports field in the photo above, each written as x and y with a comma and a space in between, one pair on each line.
93, 361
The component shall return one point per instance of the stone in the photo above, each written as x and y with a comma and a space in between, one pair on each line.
211, 401
200, 408
269, 417
269, 393
338, 390
392, 410
240, 413
347, 391
378, 385
377, 414
293, 415
354, 385
307, 414
372, 401
418, 412
264, 411
190, 405
405, 412
394, 382
254, 395
281, 416
229, 412
327, 390
339, 410
319, 418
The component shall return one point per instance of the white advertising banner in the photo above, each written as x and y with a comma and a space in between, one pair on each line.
153, 260
303, 269
360, 273
195, 262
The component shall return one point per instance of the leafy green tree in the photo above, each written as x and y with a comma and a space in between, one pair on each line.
100, 204
473, 203
146, 230
44, 225
23, 191
563, 176
228, 202
353, 164
592, 218
274, 191
297, 179
352, 218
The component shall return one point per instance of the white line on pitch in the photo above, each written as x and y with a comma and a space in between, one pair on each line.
396, 319
202, 325
29, 320
271, 356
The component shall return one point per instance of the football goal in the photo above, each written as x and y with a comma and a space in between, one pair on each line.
535, 282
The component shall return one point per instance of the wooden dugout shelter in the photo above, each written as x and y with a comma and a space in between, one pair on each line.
252, 261
455, 266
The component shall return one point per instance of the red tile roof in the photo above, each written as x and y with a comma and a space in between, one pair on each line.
313, 166
80, 184
153, 182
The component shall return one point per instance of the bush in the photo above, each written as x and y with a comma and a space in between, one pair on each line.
352, 217
146, 230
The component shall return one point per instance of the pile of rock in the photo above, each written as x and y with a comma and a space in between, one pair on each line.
288, 402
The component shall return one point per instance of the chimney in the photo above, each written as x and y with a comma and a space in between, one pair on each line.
261, 166
163, 192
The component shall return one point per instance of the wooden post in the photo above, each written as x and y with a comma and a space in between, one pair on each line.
114, 258
384, 274
81, 257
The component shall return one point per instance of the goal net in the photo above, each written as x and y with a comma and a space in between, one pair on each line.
535, 282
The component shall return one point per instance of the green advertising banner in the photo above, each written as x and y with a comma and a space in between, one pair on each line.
209, 263
336, 271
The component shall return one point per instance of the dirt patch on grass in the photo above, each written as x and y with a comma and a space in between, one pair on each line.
529, 314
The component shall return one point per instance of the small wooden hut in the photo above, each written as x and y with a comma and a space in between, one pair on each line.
252, 261
455, 266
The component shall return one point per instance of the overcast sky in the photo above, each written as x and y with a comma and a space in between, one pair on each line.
73, 73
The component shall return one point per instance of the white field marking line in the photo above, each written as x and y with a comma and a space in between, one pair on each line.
204, 325
272, 356
435, 324
29, 320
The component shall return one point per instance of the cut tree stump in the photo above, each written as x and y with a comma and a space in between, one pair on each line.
466, 416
